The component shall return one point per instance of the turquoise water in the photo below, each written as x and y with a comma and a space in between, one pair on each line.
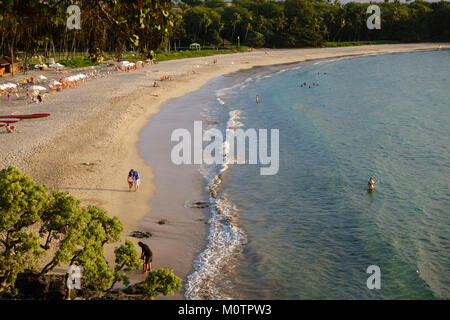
311, 231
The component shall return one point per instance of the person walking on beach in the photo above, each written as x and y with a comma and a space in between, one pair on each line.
147, 256
371, 184
130, 180
136, 179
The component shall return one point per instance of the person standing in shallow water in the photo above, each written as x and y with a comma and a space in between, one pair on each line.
257, 99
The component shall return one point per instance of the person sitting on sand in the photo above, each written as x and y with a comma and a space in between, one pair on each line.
147, 256
155, 84
130, 180
165, 78
10, 129
371, 184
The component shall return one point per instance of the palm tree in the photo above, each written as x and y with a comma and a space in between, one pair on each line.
205, 22
280, 22
249, 25
237, 20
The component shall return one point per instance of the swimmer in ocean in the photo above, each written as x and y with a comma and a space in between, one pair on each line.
371, 184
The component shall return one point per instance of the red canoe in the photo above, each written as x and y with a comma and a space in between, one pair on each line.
25, 116
10, 120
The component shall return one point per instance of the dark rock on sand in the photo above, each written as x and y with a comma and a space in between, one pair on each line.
198, 204
140, 234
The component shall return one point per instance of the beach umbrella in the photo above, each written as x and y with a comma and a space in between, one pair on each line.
56, 65
38, 88
8, 85
55, 83
41, 65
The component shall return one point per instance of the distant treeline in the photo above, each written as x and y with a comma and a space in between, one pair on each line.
297, 23
30, 26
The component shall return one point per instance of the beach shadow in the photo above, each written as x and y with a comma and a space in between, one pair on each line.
93, 189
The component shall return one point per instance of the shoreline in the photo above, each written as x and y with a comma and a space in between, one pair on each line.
106, 133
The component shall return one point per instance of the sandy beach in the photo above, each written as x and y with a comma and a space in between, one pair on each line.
90, 142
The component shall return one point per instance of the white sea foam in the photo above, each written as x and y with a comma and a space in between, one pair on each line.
233, 122
225, 239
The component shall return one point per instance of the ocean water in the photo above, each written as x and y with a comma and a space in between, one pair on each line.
312, 230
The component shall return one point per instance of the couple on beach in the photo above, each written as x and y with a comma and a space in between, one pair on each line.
133, 180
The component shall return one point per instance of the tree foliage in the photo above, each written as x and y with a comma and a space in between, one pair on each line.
127, 260
161, 281
146, 25
300, 23
22, 203
112, 25
33, 221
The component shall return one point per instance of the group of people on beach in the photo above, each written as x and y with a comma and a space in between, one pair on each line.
314, 84
133, 180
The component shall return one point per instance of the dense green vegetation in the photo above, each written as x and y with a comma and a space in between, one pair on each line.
40, 231
32, 25
164, 56
297, 23
77, 63
148, 26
